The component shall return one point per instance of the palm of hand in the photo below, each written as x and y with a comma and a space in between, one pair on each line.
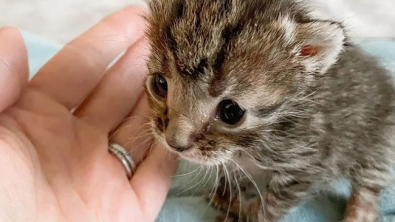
64, 164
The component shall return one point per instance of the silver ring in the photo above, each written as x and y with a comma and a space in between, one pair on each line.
125, 158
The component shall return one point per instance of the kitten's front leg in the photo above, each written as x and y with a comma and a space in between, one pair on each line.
234, 199
283, 193
280, 196
363, 206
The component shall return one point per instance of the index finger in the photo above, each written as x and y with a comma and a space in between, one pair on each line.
13, 66
72, 74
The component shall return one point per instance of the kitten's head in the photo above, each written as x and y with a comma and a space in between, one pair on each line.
220, 70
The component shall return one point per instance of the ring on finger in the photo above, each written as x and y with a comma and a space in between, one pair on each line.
124, 157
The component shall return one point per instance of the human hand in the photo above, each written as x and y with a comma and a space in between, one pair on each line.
55, 164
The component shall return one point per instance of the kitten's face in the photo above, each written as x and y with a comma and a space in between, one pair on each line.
219, 73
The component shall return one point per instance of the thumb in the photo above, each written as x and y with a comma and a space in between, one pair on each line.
153, 179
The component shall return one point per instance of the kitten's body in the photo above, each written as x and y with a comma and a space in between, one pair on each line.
313, 114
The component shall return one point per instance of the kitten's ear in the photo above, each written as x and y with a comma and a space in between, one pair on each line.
319, 44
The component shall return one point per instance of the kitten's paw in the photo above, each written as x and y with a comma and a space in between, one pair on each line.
360, 208
224, 218
251, 211
248, 211
225, 198
238, 202
226, 203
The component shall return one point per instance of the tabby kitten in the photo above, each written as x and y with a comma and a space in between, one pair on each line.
263, 83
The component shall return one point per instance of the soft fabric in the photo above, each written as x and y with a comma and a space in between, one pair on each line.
185, 202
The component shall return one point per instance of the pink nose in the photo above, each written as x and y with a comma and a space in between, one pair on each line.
179, 145
180, 133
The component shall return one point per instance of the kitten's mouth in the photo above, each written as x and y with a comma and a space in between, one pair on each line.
198, 153
194, 154
196, 159
200, 159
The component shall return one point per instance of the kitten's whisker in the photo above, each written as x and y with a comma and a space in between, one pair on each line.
225, 185
181, 192
154, 143
230, 190
209, 177
137, 146
112, 134
131, 118
142, 134
215, 187
253, 158
201, 180
251, 179
186, 174
209, 169
239, 189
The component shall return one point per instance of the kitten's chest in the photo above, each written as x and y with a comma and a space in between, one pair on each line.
248, 170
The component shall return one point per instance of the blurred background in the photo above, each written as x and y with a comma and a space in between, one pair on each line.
61, 20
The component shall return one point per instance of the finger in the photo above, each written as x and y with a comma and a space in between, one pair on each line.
134, 134
119, 90
14, 69
72, 74
152, 181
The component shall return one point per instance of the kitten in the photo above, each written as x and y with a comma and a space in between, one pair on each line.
262, 82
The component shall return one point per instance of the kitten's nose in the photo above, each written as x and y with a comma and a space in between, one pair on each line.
179, 134
179, 145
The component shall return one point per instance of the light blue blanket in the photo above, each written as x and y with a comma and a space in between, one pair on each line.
185, 203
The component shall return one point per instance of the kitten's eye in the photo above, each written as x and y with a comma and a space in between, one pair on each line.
230, 112
159, 85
